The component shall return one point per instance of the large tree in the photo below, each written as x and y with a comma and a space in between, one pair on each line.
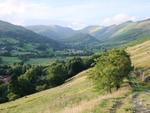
111, 68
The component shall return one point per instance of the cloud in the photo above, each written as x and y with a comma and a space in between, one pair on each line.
28, 12
74, 14
77, 24
117, 19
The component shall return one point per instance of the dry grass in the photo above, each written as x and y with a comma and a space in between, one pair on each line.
145, 98
140, 54
85, 106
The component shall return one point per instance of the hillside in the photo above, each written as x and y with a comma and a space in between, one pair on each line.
140, 56
78, 96
17, 40
73, 97
123, 33
82, 40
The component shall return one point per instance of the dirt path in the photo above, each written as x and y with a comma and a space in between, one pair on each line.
138, 105
116, 105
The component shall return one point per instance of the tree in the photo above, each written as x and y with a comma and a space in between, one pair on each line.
28, 81
88, 62
12, 96
3, 93
111, 68
74, 66
0, 60
56, 73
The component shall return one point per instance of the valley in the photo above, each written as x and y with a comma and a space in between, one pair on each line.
51, 42
74, 56
51, 68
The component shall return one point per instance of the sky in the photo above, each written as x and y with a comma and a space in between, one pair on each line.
73, 13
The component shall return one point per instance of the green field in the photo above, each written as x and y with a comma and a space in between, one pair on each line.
34, 61
40, 61
10, 60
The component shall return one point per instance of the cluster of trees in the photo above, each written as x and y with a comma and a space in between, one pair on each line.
111, 68
28, 79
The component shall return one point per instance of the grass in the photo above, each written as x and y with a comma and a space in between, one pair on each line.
45, 61
40, 61
145, 98
34, 61
140, 55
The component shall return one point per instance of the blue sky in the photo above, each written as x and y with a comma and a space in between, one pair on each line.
73, 13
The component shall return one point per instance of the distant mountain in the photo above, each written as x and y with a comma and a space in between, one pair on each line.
82, 40
55, 32
110, 36
73, 38
19, 40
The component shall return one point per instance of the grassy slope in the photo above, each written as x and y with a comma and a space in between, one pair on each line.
140, 54
77, 95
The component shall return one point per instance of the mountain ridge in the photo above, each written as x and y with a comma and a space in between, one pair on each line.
111, 35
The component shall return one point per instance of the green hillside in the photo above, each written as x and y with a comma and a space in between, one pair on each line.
140, 55
117, 35
18, 41
82, 40
77, 95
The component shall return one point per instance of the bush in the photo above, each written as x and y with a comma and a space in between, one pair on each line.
3, 93
41, 87
12, 96
56, 74
74, 66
